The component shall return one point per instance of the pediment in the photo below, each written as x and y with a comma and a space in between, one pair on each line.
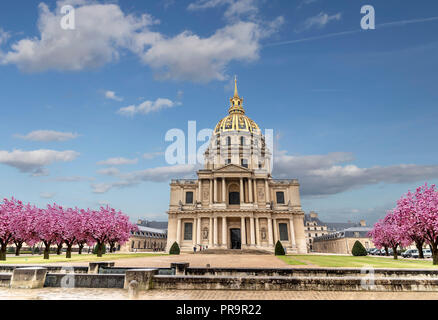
232, 168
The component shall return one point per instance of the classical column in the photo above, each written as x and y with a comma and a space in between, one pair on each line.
257, 231
242, 200
198, 232
267, 192
215, 234
210, 233
224, 232
243, 230
178, 232
250, 189
275, 230
271, 242
223, 191
256, 200
199, 190
251, 224
292, 232
194, 231
211, 192
215, 190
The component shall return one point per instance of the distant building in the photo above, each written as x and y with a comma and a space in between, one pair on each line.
147, 238
152, 224
314, 227
342, 241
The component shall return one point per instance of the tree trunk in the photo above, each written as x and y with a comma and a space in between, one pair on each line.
81, 246
18, 246
3, 252
59, 249
386, 251
394, 252
419, 245
68, 253
99, 249
112, 245
46, 251
434, 247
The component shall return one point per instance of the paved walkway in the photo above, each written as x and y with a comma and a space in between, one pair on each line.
197, 295
201, 260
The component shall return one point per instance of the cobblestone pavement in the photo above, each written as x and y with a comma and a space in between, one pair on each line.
201, 260
197, 295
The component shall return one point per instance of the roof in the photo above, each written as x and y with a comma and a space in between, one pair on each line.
153, 230
338, 226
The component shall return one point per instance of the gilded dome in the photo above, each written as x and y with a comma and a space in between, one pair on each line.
236, 120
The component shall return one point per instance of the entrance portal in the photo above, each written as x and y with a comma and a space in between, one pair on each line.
236, 241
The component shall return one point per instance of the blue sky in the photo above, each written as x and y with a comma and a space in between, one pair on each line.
354, 112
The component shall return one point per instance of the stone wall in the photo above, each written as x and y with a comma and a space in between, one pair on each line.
340, 245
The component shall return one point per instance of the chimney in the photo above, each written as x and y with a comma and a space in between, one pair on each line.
363, 223
313, 214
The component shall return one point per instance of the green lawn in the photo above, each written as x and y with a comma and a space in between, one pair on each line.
38, 259
355, 262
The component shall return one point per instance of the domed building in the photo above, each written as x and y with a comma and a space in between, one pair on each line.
235, 203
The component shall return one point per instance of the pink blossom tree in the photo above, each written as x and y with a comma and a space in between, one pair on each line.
23, 231
107, 225
7, 209
387, 233
406, 216
47, 226
426, 206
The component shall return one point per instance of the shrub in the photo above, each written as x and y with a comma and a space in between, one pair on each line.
95, 249
358, 249
174, 249
279, 250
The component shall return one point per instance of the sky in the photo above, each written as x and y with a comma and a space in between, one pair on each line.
85, 111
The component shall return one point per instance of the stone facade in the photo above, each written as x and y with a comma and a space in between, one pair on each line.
342, 242
146, 240
235, 203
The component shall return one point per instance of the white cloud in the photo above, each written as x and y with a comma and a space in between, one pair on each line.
319, 21
158, 174
112, 96
47, 195
323, 175
235, 8
148, 107
109, 171
48, 135
104, 31
117, 161
35, 161
152, 155
4, 36
72, 179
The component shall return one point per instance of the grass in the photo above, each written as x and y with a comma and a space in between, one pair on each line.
38, 259
356, 262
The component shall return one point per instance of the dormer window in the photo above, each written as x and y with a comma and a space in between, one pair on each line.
189, 197
244, 163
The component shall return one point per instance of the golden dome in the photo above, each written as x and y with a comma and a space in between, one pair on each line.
236, 120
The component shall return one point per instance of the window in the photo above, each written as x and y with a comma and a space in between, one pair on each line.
242, 141
227, 161
188, 229
189, 197
234, 197
280, 197
283, 232
244, 163
228, 141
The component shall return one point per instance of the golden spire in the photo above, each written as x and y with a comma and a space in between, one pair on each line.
236, 95
236, 102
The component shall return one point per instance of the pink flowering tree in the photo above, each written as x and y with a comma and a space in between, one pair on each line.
386, 234
47, 226
107, 226
23, 231
426, 206
7, 209
121, 230
406, 216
